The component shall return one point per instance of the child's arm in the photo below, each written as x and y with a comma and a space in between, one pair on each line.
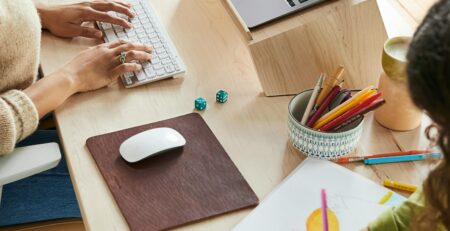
399, 218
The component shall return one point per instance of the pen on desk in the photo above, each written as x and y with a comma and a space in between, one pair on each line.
323, 106
329, 83
344, 160
312, 100
358, 109
324, 209
395, 159
400, 186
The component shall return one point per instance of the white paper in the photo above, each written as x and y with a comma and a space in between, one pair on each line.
353, 198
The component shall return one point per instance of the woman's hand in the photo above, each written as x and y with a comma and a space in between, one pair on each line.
98, 66
93, 68
67, 20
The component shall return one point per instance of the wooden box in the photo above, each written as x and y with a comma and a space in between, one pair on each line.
290, 53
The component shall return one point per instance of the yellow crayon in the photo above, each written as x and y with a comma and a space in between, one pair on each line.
341, 109
385, 198
400, 186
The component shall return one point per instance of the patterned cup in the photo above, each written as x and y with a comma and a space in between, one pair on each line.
317, 144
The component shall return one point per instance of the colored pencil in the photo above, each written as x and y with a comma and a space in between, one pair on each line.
339, 99
329, 83
342, 127
397, 159
341, 109
359, 115
344, 160
310, 105
323, 106
324, 209
351, 113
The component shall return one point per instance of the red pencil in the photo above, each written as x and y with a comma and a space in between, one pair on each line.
351, 113
344, 160
323, 106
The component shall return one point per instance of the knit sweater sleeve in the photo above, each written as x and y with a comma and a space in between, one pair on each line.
18, 119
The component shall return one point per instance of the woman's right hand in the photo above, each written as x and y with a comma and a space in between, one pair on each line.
98, 66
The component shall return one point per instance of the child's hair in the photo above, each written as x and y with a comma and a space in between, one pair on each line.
429, 82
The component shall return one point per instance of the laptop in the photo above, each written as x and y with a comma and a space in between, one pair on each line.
258, 12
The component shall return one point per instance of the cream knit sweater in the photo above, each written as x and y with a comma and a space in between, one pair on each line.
20, 37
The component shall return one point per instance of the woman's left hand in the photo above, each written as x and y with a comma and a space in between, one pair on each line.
67, 20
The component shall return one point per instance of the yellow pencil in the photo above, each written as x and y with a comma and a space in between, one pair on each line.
341, 109
385, 198
329, 83
400, 186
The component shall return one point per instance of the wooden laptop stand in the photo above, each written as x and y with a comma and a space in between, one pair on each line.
290, 53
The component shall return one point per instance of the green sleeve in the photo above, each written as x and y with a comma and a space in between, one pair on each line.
399, 218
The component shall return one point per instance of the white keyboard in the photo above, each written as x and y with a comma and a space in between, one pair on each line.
147, 29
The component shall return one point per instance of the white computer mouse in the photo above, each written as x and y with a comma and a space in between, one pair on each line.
150, 143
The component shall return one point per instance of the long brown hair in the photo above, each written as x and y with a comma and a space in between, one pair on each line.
429, 82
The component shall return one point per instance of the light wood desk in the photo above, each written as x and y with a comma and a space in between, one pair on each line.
251, 127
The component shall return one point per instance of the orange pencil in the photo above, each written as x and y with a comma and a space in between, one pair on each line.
329, 83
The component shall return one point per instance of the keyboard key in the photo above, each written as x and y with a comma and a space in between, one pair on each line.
158, 66
160, 72
160, 50
157, 45
150, 72
106, 26
146, 64
155, 60
141, 75
140, 31
169, 68
163, 55
128, 74
111, 36
166, 61
128, 81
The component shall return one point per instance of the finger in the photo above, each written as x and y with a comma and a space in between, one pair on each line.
124, 68
132, 46
115, 43
123, 3
87, 32
113, 6
94, 15
137, 56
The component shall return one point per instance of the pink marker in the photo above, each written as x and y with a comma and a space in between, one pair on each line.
324, 210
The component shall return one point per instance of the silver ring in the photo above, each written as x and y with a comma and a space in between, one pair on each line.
122, 56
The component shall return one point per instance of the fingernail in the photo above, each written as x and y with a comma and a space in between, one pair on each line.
98, 34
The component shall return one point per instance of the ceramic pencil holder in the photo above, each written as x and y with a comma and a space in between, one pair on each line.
317, 144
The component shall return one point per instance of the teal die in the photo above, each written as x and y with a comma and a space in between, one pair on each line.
200, 104
221, 96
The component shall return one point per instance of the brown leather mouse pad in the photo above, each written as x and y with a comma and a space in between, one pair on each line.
183, 185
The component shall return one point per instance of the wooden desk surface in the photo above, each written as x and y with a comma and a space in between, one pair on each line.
251, 127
